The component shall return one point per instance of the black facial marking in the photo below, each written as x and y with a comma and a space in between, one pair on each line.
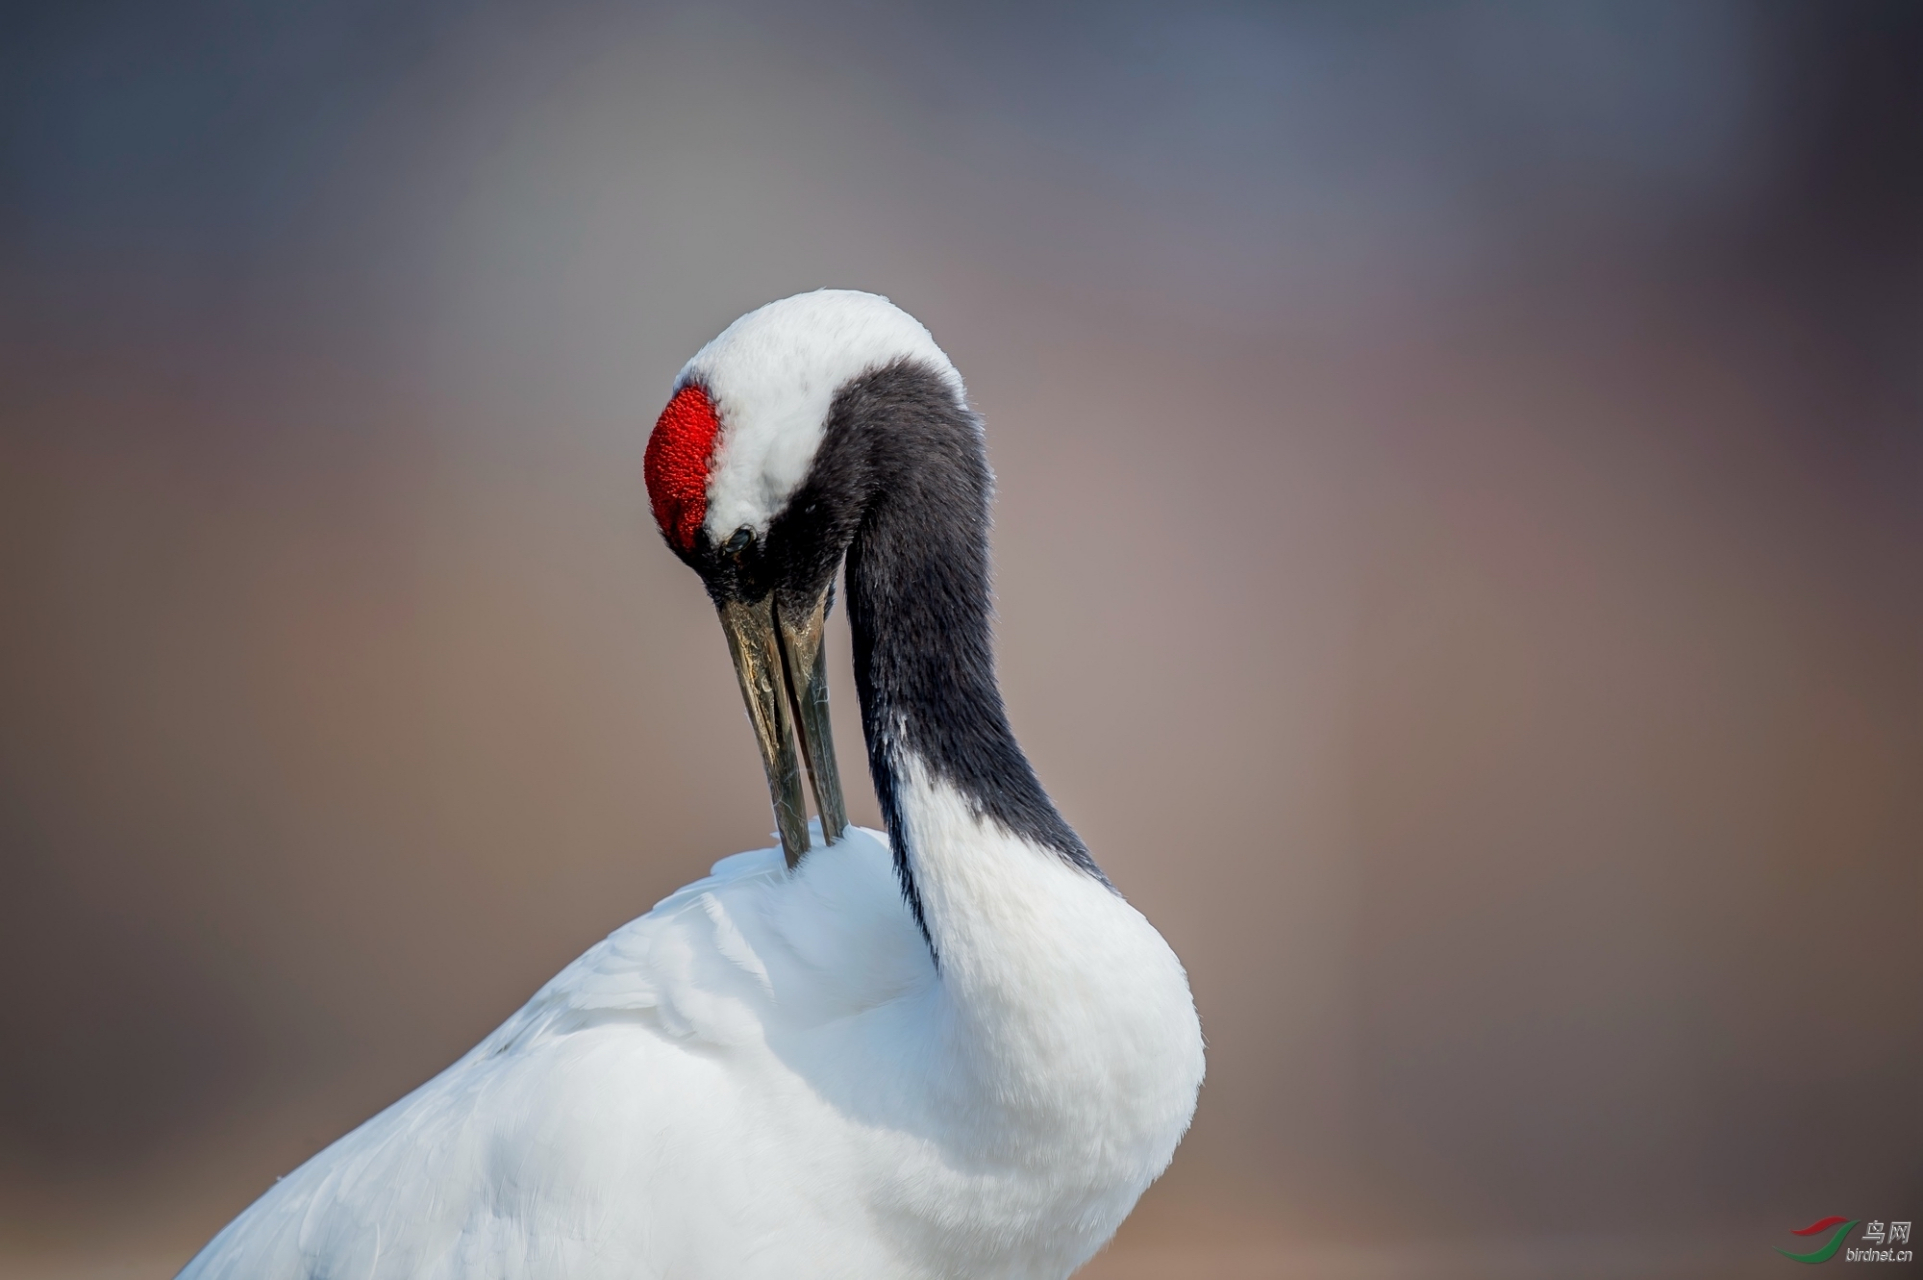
901, 484
738, 569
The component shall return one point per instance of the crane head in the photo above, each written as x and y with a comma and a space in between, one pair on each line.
755, 489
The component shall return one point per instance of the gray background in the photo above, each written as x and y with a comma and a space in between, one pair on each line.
1458, 551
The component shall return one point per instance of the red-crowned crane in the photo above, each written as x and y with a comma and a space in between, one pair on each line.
948, 1050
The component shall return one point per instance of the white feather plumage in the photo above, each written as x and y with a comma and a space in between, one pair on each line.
766, 1076
773, 373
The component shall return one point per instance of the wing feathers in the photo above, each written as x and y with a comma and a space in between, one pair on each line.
547, 1151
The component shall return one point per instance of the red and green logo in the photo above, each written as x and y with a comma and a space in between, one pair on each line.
1829, 1247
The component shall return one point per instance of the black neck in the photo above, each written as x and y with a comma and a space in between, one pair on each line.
913, 459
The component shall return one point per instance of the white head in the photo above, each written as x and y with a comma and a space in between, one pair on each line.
750, 409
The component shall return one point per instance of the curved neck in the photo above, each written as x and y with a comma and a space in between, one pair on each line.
918, 606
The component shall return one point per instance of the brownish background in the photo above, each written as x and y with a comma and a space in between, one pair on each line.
1460, 566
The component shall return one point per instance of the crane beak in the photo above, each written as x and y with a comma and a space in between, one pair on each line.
780, 661
805, 658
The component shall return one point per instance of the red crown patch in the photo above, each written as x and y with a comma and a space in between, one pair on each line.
676, 466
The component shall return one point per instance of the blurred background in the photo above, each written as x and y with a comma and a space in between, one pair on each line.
1460, 553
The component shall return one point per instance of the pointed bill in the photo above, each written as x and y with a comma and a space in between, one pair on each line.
784, 682
758, 664
807, 665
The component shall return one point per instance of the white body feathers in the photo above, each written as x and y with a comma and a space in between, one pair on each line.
768, 1076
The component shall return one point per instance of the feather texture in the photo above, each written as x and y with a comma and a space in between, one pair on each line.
763, 1076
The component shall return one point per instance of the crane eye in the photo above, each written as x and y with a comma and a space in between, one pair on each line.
738, 541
